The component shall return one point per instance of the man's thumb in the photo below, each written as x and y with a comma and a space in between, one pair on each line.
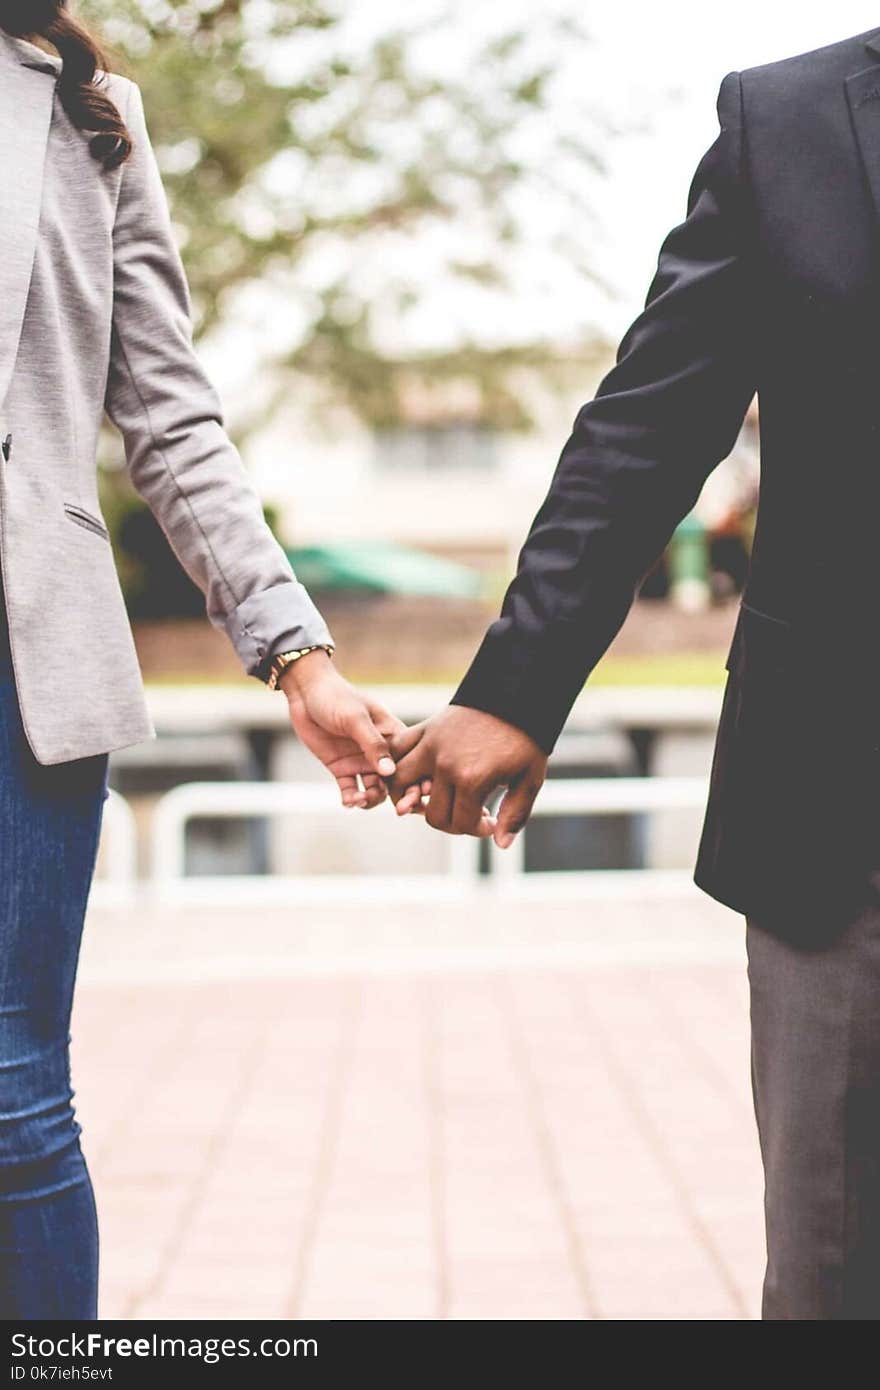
406, 740
514, 811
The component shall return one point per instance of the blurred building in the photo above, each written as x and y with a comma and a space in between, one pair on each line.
444, 482
440, 480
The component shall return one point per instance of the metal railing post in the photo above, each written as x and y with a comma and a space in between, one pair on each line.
118, 851
585, 796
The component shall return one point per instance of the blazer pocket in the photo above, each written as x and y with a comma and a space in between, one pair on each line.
761, 643
86, 519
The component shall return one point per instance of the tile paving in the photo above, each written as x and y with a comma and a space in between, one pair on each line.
425, 1112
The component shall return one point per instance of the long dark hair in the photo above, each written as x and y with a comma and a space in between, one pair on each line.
89, 108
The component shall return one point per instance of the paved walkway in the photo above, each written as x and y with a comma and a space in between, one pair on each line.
421, 1113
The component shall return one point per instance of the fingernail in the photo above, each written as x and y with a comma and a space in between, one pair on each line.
505, 841
387, 767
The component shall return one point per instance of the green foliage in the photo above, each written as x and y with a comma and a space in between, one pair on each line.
299, 161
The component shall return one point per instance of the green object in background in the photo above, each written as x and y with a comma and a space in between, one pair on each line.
381, 568
688, 560
688, 552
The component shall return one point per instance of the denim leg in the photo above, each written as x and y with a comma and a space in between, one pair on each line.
49, 826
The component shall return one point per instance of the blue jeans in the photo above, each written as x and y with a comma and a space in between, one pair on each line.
49, 825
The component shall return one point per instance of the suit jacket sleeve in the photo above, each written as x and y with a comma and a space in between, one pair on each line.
181, 460
665, 414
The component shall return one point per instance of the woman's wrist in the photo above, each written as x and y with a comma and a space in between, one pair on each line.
300, 674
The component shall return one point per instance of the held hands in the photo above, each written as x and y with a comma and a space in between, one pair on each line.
445, 769
449, 767
346, 731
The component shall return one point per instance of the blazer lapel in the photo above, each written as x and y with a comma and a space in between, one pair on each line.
863, 95
26, 96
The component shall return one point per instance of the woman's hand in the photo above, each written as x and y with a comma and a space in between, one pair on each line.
347, 732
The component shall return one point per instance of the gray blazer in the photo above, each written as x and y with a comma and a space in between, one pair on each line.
95, 315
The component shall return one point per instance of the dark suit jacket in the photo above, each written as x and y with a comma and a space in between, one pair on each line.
771, 284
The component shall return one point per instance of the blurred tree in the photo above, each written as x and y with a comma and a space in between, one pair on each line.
300, 163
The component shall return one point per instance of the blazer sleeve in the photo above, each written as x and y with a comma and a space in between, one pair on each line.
664, 416
181, 460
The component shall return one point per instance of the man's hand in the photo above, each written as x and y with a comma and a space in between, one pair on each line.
465, 755
347, 732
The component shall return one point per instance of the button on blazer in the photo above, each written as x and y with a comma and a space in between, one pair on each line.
119, 277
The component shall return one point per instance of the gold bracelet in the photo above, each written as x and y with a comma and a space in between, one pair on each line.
281, 662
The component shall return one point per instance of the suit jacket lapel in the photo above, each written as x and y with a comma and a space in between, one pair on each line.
26, 96
863, 95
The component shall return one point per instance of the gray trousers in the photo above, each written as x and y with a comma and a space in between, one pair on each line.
816, 1077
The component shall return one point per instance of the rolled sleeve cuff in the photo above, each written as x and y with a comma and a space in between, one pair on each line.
283, 618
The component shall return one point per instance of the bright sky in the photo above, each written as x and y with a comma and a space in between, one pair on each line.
653, 67
656, 64
652, 70
685, 47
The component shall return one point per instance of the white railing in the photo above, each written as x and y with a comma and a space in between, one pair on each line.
588, 796
117, 878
